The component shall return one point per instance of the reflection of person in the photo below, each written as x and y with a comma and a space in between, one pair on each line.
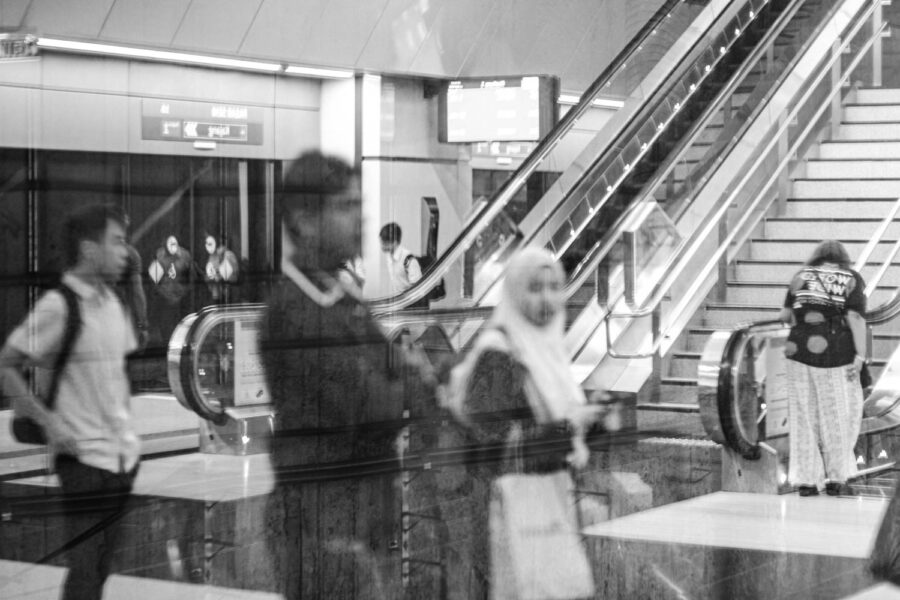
171, 272
353, 273
334, 397
825, 350
221, 270
131, 289
90, 430
519, 370
403, 267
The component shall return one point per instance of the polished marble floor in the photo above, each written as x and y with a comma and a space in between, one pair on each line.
784, 523
717, 545
742, 547
23, 581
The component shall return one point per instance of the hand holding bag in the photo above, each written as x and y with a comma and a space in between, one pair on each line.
865, 376
536, 548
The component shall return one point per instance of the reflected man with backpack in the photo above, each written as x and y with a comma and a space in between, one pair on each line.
403, 266
83, 333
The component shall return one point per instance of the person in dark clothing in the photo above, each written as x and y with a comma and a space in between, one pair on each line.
172, 270
336, 399
130, 288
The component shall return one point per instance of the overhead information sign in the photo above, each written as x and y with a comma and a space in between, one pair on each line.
193, 121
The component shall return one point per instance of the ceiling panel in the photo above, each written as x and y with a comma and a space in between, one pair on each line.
441, 38
76, 18
342, 31
458, 25
12, 12
216, 25
564, 24
141, 22
399, 35
606, 39
281, 29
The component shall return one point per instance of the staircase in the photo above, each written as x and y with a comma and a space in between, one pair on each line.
842, 190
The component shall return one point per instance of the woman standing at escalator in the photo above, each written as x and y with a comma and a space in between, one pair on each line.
826, 350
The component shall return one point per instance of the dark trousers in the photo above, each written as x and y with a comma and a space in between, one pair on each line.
93, 502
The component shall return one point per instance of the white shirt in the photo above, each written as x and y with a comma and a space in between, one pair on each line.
402, 276
94, 395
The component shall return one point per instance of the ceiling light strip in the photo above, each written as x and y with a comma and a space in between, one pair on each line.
572, 99
194, 59
318, 72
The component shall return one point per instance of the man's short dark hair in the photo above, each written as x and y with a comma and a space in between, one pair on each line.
391, 233
89, 223
311, 179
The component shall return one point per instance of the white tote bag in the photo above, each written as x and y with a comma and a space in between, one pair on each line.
536, 549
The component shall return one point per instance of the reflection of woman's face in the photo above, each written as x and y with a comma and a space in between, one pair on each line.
171, 244
542, 298
210, 244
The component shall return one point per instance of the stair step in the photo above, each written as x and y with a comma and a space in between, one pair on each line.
877, 96
782, 271
684, 364
764, 249
852, 169
822, 229
871, 113
869, 131
859, 149
761, 293
726, 316
846, 188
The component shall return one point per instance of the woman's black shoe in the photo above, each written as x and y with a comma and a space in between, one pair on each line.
833, 489
808, 490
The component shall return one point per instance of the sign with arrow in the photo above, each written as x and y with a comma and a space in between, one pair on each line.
193, 121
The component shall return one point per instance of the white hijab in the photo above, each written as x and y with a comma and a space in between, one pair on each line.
550, 387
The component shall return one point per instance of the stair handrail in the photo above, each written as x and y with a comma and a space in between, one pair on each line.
697, 240
876, 237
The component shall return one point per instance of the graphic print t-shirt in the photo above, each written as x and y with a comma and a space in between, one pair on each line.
820, 298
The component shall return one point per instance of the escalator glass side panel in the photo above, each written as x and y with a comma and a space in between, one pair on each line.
680, 163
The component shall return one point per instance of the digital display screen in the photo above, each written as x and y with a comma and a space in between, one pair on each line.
506, 109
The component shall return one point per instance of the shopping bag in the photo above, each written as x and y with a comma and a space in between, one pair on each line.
536, 549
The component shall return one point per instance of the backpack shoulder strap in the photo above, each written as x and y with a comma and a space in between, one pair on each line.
407, 260
73, 326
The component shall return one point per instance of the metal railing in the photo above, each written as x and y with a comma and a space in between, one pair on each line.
700, 239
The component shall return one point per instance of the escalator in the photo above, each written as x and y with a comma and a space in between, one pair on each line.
632, 216
621, 212
744, 406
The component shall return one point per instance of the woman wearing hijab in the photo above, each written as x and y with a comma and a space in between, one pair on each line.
826, 349
516, 396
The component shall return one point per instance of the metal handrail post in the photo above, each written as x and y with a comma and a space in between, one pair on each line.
876, 47
836, 109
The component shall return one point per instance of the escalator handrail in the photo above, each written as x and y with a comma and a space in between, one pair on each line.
700, 236
491, 209
589, 264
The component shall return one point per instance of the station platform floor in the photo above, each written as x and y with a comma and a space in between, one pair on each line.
726, 545
719, 545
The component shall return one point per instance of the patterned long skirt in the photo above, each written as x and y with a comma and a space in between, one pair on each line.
825, 416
